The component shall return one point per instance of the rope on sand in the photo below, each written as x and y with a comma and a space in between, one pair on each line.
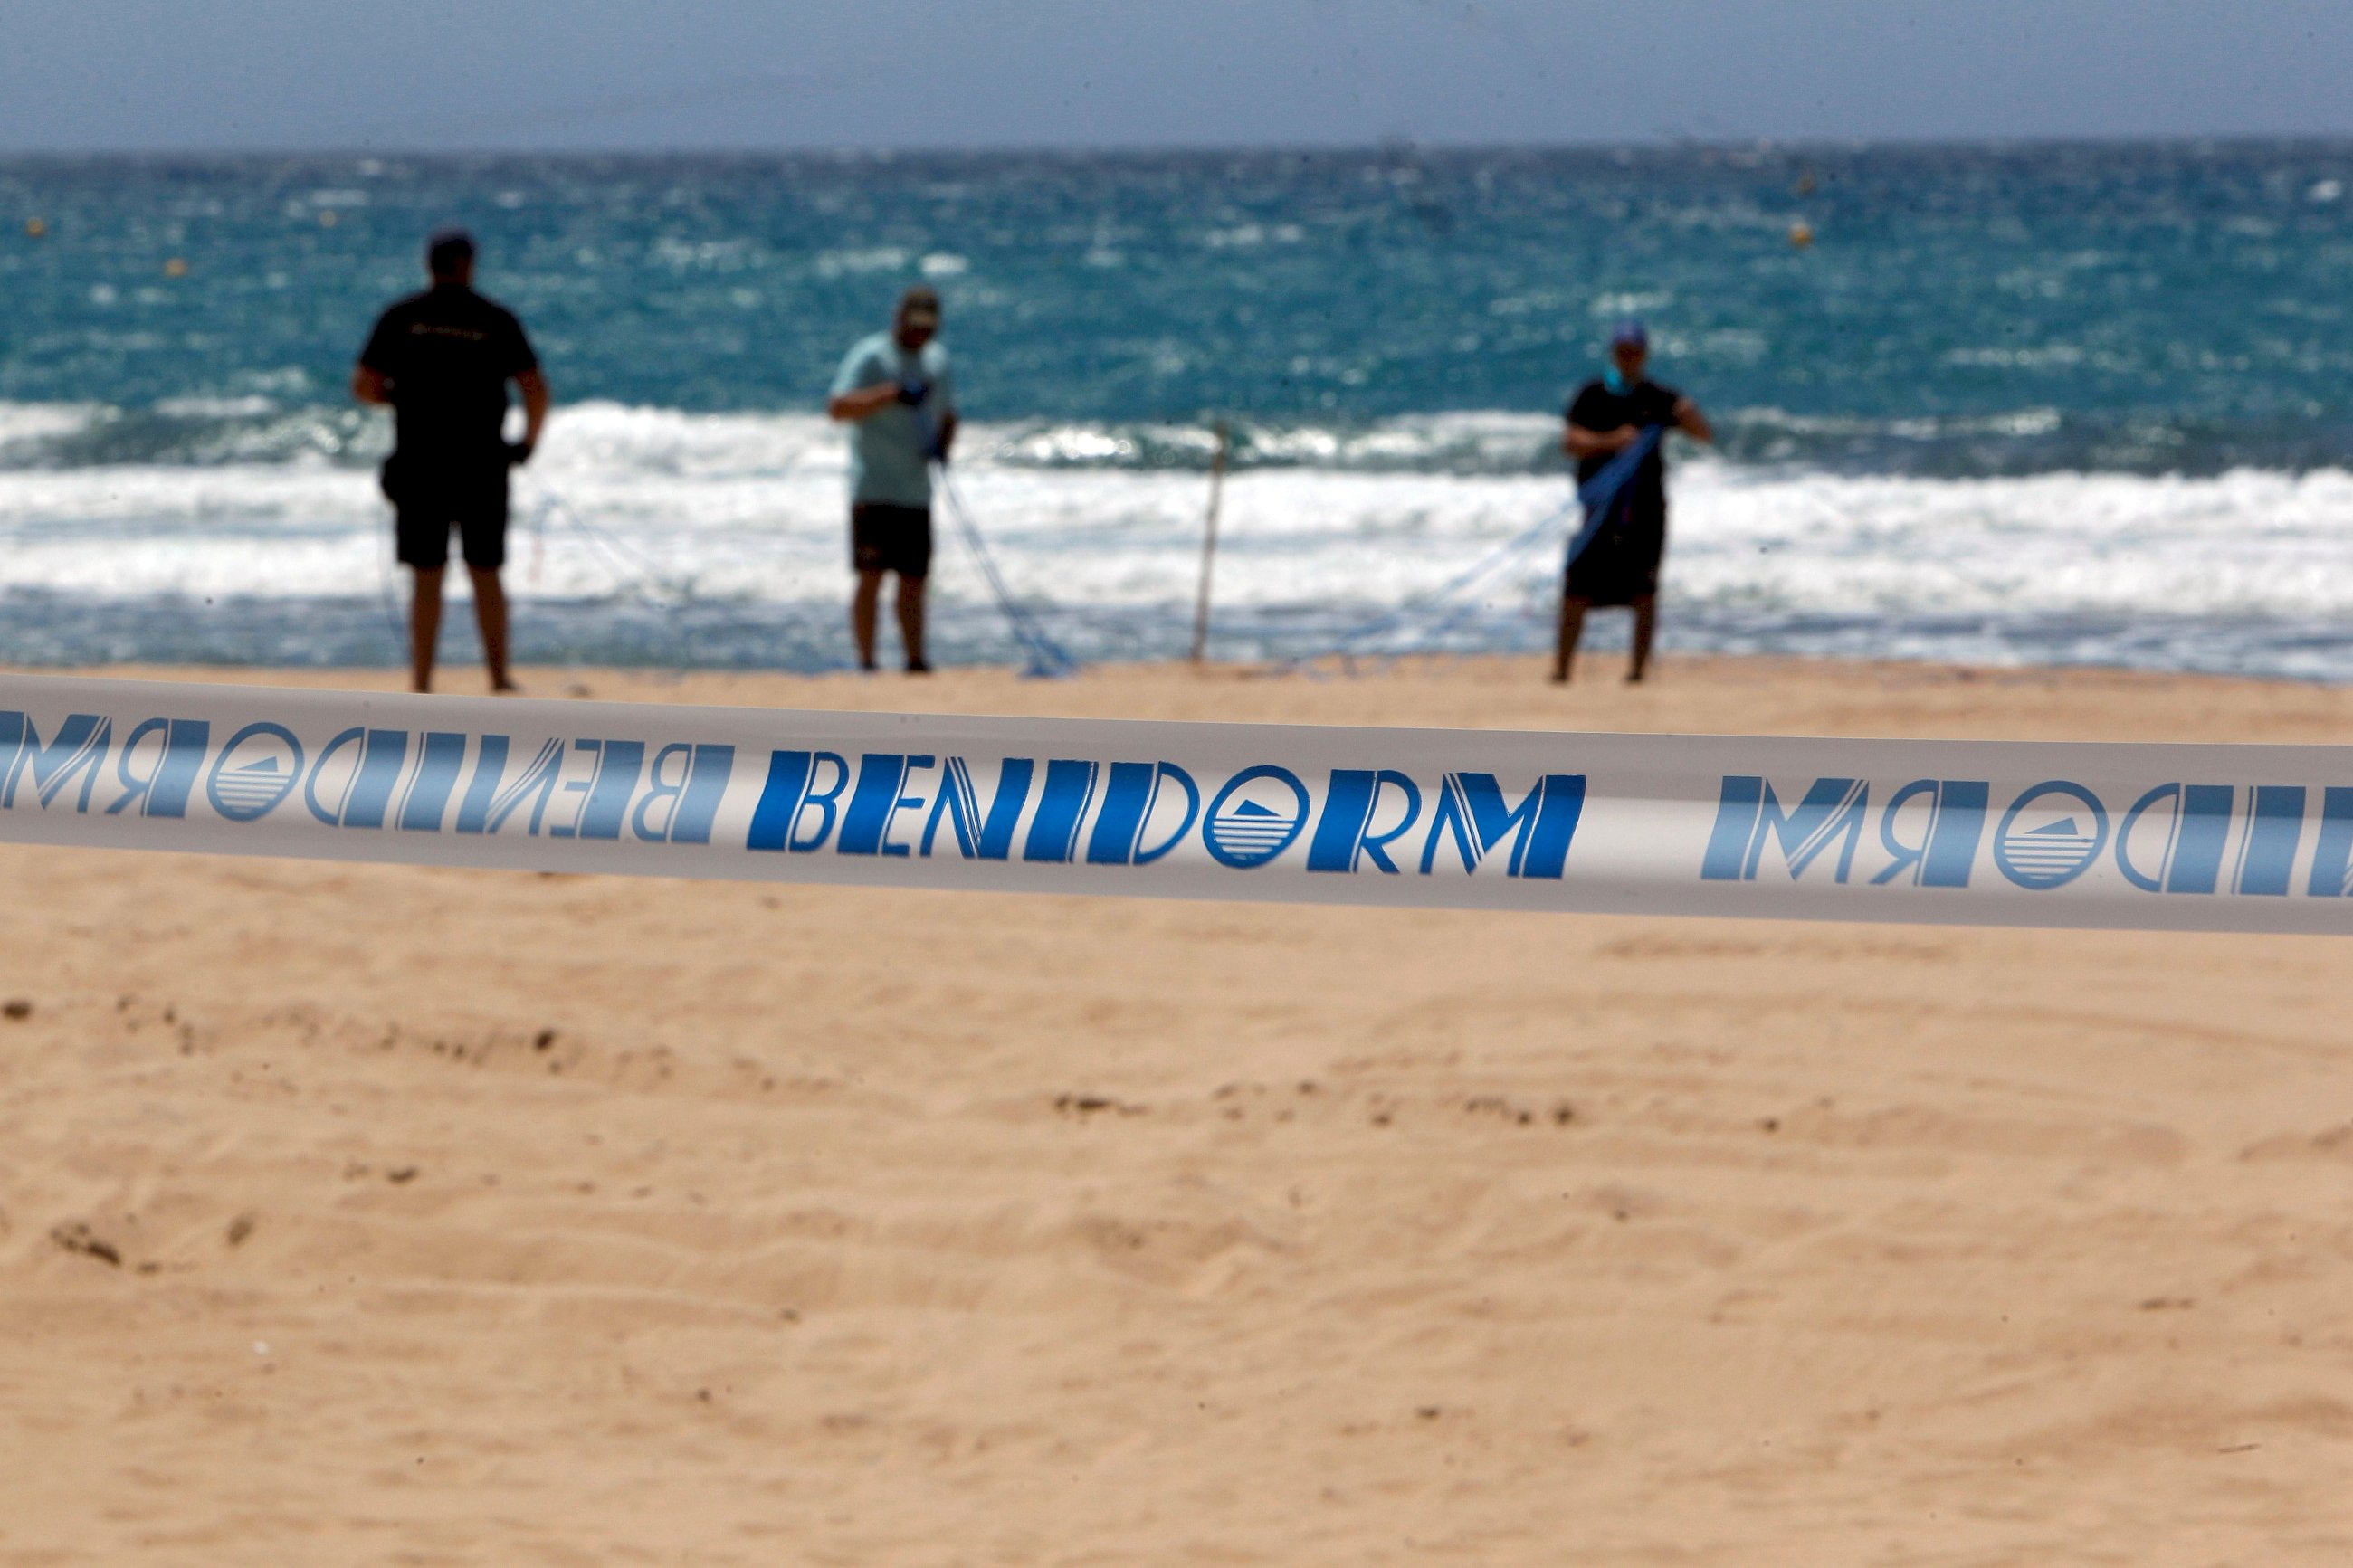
1048, 659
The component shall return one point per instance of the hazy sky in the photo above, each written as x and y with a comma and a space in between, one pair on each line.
399, 74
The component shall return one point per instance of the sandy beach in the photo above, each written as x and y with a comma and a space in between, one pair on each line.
374, 1215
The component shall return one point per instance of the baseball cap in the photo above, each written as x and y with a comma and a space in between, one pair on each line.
920, 306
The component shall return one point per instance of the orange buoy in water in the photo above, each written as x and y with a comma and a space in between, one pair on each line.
176, 268
1801, 235
327, 218
35, 228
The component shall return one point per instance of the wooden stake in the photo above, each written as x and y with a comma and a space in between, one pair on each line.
1209, 549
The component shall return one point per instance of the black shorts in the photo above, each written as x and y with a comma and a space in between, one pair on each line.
1620, 564
885, 538
430, 501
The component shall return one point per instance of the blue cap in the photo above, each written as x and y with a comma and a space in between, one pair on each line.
1629, 333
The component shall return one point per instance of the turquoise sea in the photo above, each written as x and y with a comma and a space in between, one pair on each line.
2021, 403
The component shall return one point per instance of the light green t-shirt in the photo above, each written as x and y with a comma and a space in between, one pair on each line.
889, 450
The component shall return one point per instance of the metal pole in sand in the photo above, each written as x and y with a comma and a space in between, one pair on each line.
1209, 549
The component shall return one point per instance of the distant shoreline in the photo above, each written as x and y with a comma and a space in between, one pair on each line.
1759, 694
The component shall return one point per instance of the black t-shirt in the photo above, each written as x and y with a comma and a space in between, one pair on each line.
1597, 408
448, 355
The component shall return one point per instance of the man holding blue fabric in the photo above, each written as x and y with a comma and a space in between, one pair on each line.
1614, 558
895, 392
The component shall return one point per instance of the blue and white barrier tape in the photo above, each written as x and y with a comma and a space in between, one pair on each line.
2200, 838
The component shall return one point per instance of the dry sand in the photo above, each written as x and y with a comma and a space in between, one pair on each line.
356, 1214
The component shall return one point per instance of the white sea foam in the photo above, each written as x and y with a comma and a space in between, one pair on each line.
747, 509
23, 424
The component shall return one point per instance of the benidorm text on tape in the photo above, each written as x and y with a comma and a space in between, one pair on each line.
2205, 837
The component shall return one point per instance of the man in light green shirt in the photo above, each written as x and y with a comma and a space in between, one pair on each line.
897, 396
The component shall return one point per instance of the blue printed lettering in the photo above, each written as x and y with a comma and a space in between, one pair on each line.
619, 763
1948, 848
1061, 805
605, 793
1130, 796
882, 777
2042, 845
255, 772
1343, 833
1830, 806
1739, 800
441, 758
1255, 817
368, 792
492, 797
2267, 858
692, 798
1472, 812
790, 793
980, 836
80, 750
904, 803
2197, 829
2332, 856
165, 789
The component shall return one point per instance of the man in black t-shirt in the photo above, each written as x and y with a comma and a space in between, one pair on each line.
442, 359
1619, 564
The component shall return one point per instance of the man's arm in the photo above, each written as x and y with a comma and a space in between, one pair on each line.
947, 434
369, 382
534, 384
849, 407
1578, 442
1691, 422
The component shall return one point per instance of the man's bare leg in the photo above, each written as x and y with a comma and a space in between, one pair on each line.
424, 625
862, 606
911, 623
491, 614
1572, 627
1646, 624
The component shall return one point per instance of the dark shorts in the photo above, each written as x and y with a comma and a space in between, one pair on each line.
430, 500
885, 538
1621, 564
